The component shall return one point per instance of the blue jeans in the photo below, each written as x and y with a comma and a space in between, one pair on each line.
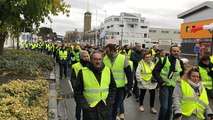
165, 96
118, 99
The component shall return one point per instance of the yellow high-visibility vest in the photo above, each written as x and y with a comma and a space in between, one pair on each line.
146, 73
63, 55
93, 91
206, 79
117, 69
190, 104
77, 67
165, 71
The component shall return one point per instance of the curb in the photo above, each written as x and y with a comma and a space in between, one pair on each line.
52, 106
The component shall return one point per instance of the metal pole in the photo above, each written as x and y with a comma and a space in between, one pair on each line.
122, 33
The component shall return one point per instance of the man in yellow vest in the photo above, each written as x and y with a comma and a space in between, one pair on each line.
190, 100
63, 58
95, 89
121, 70
167, 71
75, 54
206, 72
75, 69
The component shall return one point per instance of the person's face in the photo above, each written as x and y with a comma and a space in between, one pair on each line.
96, 59
138, 47
162, 54
206, 62
175, 52
108, 52
147, 58
194, 77
84, 57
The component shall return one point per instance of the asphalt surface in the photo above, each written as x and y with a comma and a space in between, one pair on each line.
66, 103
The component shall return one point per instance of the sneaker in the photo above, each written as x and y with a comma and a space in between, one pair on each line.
121, 116
141, 108
152, 110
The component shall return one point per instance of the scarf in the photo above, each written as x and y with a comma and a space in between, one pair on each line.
174, 65
95, 69
196, 87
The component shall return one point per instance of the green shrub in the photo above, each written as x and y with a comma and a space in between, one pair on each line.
19, 62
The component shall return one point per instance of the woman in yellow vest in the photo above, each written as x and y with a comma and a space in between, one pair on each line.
190, 100
143, 76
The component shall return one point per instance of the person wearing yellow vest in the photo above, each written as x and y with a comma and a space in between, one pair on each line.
75, 70
95, 89
63, 58
143, 76
75, 54
211, 59
126, 50
190, 100
121, 70
166, 72
153, 51
206, 72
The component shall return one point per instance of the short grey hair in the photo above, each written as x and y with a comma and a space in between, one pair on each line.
83, 52
93, 52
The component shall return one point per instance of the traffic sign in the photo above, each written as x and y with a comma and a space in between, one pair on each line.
196, 49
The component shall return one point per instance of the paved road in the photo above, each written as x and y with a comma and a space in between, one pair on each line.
66, 106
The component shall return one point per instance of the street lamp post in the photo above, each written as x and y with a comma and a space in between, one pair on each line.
122, 33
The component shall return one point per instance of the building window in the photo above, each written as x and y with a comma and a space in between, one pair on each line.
152, 31
134, 20
108, 26
121, 25
163, 31
193, 26
132, 26
116, 19
176, 32
111, 26
187, 28
145, 35
142, 21
144, 27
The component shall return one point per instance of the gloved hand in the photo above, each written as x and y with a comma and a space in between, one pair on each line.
210, 116
177, 116
128, 92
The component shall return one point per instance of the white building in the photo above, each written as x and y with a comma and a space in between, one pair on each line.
127, 29
157, 34
24, 37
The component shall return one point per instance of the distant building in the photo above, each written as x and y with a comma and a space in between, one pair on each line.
126, 29
197, 16
87, 21
157, 34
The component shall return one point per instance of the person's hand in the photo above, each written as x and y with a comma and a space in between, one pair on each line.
128, 94
178, 116
210, 116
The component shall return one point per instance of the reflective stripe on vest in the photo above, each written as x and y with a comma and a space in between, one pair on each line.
146, 73
206, 79
93, 91
63, 55
117, 69
191, 104
77, 67
165, 71
76, 56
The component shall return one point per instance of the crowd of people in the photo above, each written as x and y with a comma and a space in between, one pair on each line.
102, 78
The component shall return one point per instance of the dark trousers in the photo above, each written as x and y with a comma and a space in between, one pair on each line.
165, 96
118, 99
63, 69
135, 90
77, 112
152, 97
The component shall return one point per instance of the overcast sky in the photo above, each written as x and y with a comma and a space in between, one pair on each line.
159, 13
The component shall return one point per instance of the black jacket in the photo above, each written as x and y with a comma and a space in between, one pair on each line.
135, 57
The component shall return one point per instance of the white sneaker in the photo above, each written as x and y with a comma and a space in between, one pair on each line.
152, 110
141, 108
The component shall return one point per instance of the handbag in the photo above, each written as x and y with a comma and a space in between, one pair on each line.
153, 79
